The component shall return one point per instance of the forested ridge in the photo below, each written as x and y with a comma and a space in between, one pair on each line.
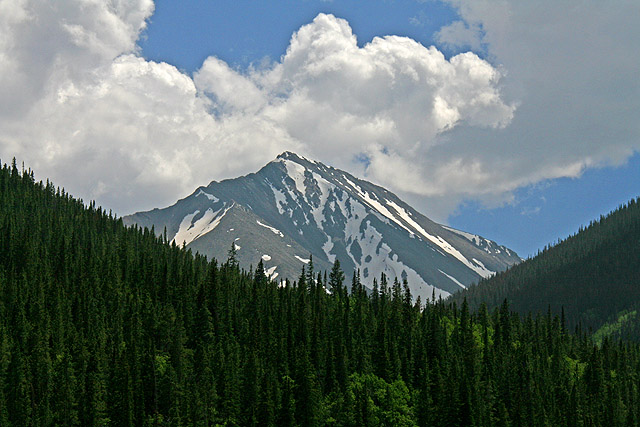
594, 276
106, 325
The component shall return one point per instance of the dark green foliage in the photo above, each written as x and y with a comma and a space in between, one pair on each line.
592, 277
101, 325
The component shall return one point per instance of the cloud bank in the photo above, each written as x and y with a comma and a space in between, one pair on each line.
572, 69
81, 106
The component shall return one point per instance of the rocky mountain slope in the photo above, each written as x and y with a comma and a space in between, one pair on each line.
294, 207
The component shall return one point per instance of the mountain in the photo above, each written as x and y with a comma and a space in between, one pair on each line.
294, 207
593, 276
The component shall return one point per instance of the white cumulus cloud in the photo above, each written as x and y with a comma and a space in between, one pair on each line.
85, 109
572, 68
386, 101
558, 93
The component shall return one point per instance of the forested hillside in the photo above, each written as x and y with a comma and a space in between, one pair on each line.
106, 325
593, 275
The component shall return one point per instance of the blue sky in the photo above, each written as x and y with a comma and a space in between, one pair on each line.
241, 32
552, 210
508, 119
245, 32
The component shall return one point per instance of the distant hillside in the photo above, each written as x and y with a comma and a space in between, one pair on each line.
594, 275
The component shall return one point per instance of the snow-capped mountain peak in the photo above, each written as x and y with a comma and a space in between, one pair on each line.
294, 207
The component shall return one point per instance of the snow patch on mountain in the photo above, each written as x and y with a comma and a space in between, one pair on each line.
473, 238
303, 260
476, 266
488, 246
273, 229
271, 272
280, 200
380, 258
407, 218
326, 189
296, 172
453, 279
381, 209
371, 244
483, 268
328, 245
211, 197
185, 225
351, 183
189, 230
354, 213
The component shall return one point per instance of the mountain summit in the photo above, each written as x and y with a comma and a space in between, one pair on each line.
294, 207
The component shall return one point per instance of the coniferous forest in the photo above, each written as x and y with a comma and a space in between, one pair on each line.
593, 276
103, 325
